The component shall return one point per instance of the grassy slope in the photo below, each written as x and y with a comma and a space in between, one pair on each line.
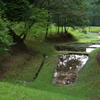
87, 80
85, 88
21, 66
14, 92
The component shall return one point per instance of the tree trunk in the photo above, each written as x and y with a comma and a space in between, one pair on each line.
47, 28
22, 37
16, 38
46, 31
50, 30
58, 26
65, 29
62, 29
24, 34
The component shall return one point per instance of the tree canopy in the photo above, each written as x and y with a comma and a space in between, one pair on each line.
94, 12
5, 39
42, 13
16, 10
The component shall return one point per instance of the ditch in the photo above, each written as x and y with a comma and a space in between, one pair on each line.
70, 64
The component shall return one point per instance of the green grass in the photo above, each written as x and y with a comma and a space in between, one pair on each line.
87, 84
91, 28
14, 92
21, 66
24, 65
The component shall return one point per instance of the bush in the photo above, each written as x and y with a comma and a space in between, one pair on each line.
5, 39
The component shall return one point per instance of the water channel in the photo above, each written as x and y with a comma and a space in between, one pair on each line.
70, 64
79, 47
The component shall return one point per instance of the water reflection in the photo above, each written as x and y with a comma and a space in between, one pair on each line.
68, 67
79, 47
91, 48
88, 50
94, 45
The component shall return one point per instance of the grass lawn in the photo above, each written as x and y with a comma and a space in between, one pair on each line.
95, 28
14, 92
23, 65
86, 86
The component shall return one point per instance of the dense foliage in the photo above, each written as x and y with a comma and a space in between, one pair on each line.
16, 10
37, 15
5, 39
72, 13
94, 14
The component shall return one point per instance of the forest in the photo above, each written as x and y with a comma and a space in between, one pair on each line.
34, 35
25, 15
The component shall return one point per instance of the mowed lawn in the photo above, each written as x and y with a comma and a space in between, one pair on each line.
86, 86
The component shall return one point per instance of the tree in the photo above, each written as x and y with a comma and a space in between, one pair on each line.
97, 2
66, 13
70, 13
5, 39
23, 12
94, 12
15, 10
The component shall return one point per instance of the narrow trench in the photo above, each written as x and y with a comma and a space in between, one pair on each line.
36, 75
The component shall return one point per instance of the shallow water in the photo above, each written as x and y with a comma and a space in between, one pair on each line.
68, 67
79, 47
91, 48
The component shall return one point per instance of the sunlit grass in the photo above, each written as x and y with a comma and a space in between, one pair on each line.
14, 92
93, 28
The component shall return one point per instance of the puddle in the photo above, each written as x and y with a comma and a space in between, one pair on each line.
68, 67
79, 47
